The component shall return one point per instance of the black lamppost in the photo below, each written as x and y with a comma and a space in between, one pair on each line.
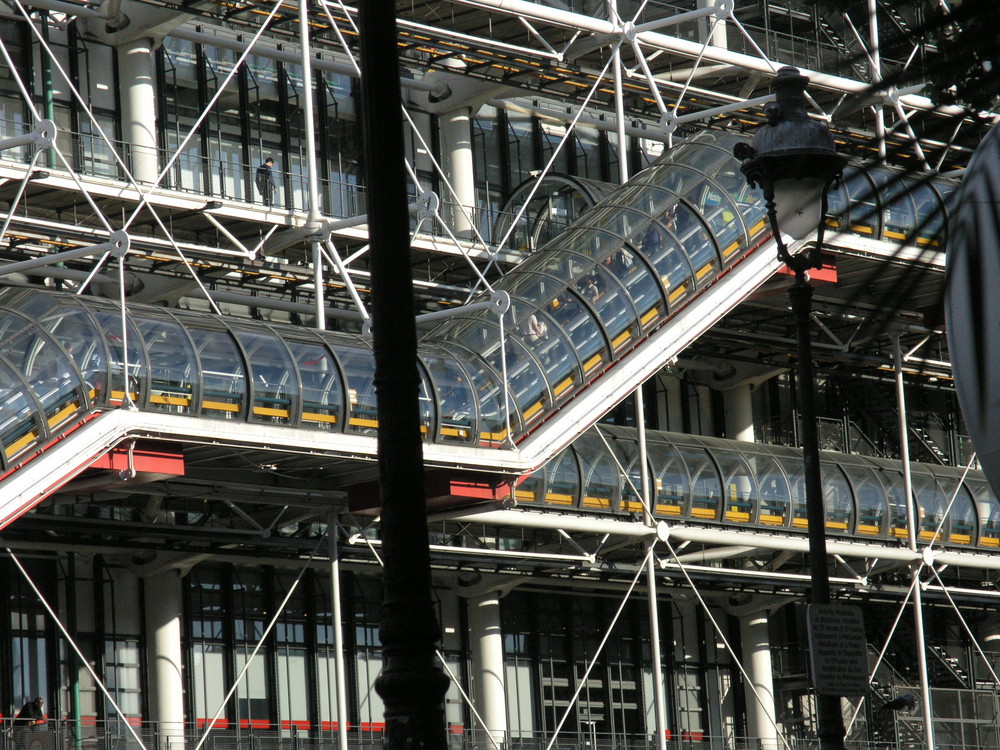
794, 161
411, 684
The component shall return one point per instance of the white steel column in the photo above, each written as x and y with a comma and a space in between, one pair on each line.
163, 623
876, 61
312, 165
911, 528
338, 632
488, 664
456, 146
656, 658
757, 661
135, 68
719, 36
739, 413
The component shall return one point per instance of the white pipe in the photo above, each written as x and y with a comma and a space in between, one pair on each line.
333, 256
695, 50
876, 59
308, 113
656, 657
119, 241
911, 528
319, 301
42, 136
340, 680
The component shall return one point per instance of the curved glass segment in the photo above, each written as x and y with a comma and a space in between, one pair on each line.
173, 365
22, 422
539, 209
987, 508
322, 384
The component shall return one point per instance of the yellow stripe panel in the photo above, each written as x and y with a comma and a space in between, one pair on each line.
866, 528
170, 400
591, 363
960, 539
269, 411
649, 315
65, 413
737, 516
532, 410
524, 496
668, 510
308, 416
705, 270
21, 443
989, 541
770, 520
597, 502
621, 339
561, 387
557, 499
703, 512
220, 406
676, 293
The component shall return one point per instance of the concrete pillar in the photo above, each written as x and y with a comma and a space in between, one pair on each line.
988, 635
761, 717
456, 148
163, 624
739, 413
670, 412
486, 641
702, 419
135, 69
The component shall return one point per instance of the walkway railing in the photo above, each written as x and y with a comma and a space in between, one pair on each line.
114, 735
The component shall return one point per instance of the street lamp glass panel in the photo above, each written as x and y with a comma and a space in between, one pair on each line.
798, 205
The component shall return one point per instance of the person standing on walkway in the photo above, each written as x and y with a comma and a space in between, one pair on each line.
265, 181
28, 719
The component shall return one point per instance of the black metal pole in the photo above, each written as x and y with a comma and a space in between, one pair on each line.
829, 719
411, 684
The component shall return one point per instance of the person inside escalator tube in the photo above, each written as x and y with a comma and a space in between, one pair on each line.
536, 329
